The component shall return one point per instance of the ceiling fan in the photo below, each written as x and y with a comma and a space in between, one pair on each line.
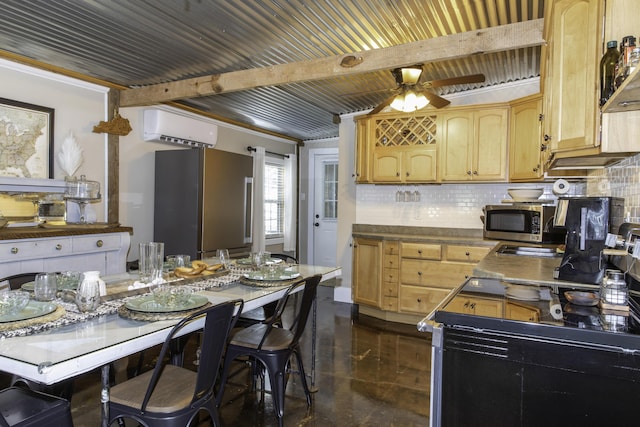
412, 94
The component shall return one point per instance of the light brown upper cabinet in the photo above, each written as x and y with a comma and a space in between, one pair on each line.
473, 143
396, 148
526, 149
573, 124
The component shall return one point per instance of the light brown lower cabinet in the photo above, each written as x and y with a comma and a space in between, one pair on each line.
413, 277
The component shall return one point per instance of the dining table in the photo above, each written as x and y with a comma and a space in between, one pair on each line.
76, 343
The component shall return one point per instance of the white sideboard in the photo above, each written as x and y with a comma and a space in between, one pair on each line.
104, 252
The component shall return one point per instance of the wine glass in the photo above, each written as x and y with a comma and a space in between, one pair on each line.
223, 257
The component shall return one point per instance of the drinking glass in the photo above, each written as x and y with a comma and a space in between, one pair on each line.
223, 257
88, 294
45, 286
151, 261
179, 261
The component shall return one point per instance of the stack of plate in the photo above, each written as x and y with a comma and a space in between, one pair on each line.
523, 293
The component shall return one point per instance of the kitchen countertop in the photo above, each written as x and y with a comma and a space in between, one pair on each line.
14, 233
519, 268
421, 234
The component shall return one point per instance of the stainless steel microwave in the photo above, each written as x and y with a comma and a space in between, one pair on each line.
532, 223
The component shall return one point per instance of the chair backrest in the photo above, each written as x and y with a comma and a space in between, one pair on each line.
219, 321
286, 258
16, 281
302, 309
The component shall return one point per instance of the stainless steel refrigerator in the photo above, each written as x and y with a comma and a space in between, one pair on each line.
203, 202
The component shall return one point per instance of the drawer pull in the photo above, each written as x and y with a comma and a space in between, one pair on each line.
419, 273
14, 250
467, 253
420, 251
473, 305
419, 300
99, 243
58, 247
466, 304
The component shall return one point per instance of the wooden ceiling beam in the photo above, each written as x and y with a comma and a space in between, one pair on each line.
489, 40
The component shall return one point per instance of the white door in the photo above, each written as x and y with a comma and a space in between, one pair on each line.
325, 210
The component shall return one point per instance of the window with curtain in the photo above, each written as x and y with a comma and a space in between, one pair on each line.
274, 198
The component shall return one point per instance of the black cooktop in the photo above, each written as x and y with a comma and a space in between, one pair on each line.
576, 323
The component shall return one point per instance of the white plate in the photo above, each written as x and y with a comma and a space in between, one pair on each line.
523, 293
33, 309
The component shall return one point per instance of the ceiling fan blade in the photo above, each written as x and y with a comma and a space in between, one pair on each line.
382, 105
436, 100
473, 78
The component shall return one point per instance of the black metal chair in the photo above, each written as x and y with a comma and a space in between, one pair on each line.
286, 258
273, 345
171, 395
22, 407
17, 280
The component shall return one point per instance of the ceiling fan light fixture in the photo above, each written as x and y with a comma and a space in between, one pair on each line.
409, 101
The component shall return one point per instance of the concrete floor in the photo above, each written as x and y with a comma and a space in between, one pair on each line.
368, 373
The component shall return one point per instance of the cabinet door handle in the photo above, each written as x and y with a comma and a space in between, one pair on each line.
469, 173
419, 273
420, 251
466, 304
475, 172
547, 137
397, 173
419, 300
58, 247
473, 305
408, 174
14, 250
99, 243
467, 253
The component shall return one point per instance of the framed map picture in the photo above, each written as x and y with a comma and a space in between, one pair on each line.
26, 140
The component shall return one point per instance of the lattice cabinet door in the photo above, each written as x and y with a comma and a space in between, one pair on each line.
405, 131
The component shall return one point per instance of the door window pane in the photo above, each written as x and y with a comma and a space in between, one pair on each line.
330, 196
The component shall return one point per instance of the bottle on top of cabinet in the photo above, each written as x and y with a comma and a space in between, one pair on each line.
607, 71
627, 46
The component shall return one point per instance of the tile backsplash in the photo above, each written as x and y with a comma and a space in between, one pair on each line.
619, 180
460, 205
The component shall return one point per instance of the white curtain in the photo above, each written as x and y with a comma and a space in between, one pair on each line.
258, 200
290, 207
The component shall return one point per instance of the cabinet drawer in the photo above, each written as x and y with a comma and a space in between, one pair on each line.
390, 289
390, 275
418, 299
390, 261
466, 253
421, 251
391, 248
96, 243
434, 273
31, 249
390, 303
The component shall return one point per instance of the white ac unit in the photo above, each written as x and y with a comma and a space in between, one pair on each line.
163, 126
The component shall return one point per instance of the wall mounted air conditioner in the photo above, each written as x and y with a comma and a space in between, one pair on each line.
163, 126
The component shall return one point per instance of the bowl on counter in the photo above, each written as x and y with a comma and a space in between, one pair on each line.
525, 193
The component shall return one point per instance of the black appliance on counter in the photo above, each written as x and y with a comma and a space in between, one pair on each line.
587, 220
203, 200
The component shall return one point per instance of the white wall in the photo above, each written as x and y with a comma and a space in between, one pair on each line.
137, 168
78, 107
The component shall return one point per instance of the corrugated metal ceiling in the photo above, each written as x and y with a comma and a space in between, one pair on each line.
137, 43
